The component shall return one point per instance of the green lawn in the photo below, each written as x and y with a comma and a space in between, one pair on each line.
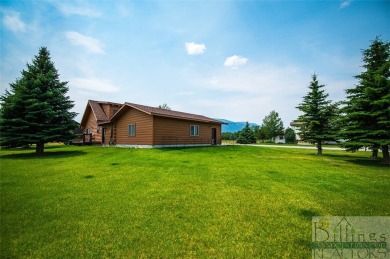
231, 201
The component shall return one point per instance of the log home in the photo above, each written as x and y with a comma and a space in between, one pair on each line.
135, 125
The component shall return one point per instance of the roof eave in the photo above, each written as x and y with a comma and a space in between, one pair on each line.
188, 119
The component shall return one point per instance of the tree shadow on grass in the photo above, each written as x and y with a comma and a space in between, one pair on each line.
46, 155
308, 214
363, 161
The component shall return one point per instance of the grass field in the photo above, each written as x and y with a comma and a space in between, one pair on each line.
232, 201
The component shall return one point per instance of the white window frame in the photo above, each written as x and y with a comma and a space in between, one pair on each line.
88, 131
131, 130
194, 130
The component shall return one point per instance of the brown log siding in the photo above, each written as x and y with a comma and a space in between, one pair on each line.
169, 131
143, 128
91, 124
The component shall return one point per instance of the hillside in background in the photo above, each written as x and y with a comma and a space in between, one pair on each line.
233, 126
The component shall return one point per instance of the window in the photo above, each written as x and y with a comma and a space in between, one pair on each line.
131, 129
88, 131
194, 130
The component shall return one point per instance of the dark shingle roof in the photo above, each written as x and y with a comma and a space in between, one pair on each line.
98, 111
172, 114
102, 118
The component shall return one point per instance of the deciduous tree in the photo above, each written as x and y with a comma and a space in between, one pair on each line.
289, 135
164, 106
272, 125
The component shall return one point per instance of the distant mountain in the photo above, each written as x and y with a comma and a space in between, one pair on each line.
233, 126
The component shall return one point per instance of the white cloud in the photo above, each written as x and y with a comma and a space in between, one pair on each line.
260, 79
235, 61
345, 4
91, 44
93, 84
73, 10
193, 48
13, 22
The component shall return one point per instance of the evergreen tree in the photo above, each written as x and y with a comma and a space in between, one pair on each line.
272, 125
261, 134
367, 108
246, 136
256, 130
36, 109
318, 115
289, 135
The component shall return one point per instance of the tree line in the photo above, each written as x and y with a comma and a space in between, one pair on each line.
271, 127
361, 120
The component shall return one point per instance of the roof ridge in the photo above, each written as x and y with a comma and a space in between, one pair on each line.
172, 113
157, 108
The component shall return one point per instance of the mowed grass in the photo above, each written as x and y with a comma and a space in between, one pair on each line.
234, 201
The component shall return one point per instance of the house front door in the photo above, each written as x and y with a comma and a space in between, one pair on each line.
103, 135
213, 136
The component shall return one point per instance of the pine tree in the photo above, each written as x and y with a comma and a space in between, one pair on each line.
272, 125
318, 115
246, 136
261, 134
36, 109
367, 108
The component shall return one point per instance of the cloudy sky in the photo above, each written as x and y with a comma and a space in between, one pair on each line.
235, 60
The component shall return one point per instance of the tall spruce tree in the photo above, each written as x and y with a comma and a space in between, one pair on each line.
36, 109
318, 116
366, 120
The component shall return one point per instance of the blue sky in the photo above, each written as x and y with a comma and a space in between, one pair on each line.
236, 60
